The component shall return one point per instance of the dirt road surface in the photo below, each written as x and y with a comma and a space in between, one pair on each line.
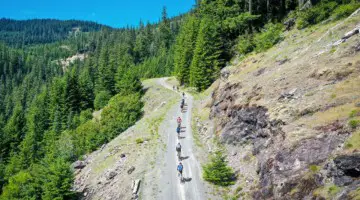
168, 183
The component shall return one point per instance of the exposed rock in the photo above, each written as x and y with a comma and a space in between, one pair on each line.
131, 169
283, 61
111, 175
226, 97
347, 167
286, 168
79, 164
289, 23
259, 72
335, 126
288, 95
224, 74
251, 124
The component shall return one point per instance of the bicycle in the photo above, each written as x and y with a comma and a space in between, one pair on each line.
179, 155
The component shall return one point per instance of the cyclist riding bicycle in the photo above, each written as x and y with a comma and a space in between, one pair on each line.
178, 130
178, 150
179, 120
180, 168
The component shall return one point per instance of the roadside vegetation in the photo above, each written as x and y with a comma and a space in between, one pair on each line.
217, 171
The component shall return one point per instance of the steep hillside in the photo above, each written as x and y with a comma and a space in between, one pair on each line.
289, 118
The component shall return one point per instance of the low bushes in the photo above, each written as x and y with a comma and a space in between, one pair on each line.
268, 37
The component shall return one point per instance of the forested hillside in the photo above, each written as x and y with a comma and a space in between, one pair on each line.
46, 109
18, 33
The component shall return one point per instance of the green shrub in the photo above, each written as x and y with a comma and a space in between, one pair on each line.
139, 140
345, 10
315, 14
354, 123
120, 113
217, 171
354, 113
270, 35
101, 99
245, 44
85, 115
314, 168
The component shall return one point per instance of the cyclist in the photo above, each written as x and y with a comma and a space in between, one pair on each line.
178, 129
183, 94
179, 120
180, 168
178, 150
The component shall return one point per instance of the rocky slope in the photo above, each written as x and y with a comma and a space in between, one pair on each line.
288, 117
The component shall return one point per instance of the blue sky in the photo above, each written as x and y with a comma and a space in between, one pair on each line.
116, 13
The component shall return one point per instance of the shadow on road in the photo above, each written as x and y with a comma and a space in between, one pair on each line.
184, 158
186, 179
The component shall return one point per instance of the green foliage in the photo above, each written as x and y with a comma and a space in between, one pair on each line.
345, 10
217, 171
55, 178
245, 44
17, 32
128, 84
354, 123
314, 168
101, 99
21, 186
206, 63
121, 113
269, 36
354, 113
85, 115
87, 137
323, 11
353, 142
184, 49
139, 140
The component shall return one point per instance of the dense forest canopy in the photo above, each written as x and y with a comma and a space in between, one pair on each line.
46, 108
40, 31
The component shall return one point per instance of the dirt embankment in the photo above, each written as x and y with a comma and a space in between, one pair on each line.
284, 116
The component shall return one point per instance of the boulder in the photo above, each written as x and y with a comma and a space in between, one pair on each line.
79, 164
111, 175
348, 165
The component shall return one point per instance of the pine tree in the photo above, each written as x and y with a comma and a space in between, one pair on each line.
206, 62
184, 48
14, 131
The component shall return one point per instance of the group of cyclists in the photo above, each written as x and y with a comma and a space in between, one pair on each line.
180, 166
